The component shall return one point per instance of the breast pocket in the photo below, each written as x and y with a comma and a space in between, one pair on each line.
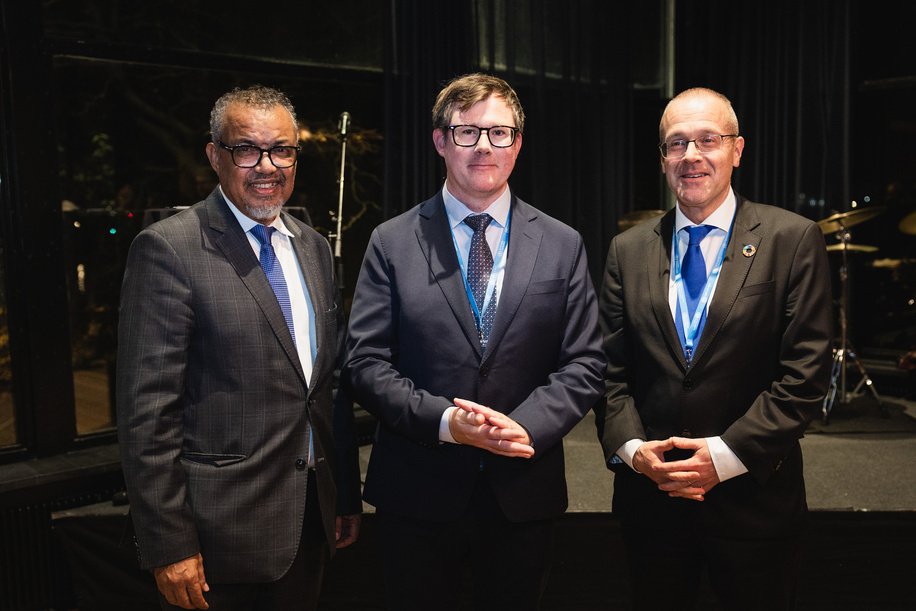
546, 286
757, 289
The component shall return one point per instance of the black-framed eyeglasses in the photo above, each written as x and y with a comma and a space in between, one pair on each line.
248, 155
677, 147
500, 136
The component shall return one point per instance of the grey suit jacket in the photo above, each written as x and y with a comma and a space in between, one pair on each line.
214, 411
413, 348
758, 376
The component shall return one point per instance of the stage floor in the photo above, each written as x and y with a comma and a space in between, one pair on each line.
859, 461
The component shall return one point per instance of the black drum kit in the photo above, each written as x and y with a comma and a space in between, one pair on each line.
845, 353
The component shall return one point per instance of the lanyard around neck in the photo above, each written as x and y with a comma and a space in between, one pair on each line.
691, 326
498, 265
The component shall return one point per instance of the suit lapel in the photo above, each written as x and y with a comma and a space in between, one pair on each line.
733, 274
316, 280
234, 245
525, 236
658, 268
438, 246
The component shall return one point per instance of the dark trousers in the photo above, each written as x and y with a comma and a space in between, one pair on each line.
298, 589
423, 559
665, 571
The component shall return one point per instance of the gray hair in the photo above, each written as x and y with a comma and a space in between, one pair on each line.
258, 96
731, 118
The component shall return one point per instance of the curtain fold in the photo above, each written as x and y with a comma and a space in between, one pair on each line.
786, 67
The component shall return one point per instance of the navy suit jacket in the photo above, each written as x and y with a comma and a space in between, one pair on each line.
214, 411
413, 347
758, 377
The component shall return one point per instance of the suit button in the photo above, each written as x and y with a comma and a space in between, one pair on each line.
484, 372
301, 464
688, 384
686, 433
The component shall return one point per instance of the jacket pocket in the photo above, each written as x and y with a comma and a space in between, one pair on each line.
547, 286
757, 289
214, 460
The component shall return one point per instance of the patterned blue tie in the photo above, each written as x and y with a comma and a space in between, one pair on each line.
480, 264
271, 266
693, 272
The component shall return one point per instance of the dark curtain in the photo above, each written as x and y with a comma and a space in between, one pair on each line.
428, 44
571, 64
786, 68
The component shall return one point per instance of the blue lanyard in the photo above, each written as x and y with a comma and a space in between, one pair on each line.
691, 326
499, 264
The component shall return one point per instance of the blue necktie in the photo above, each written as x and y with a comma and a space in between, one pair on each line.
480, 264
271, 266
693, 274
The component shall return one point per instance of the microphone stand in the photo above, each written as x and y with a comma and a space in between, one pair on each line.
343, 126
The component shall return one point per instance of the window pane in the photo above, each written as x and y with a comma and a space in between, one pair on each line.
132, 144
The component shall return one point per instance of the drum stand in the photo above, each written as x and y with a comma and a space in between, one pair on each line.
845, 350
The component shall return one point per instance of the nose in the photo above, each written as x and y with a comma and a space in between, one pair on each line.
483, 141
696, 151
265, 167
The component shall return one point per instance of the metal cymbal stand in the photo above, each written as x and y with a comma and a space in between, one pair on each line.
846, 349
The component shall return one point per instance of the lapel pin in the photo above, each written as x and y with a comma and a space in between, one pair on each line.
749, 250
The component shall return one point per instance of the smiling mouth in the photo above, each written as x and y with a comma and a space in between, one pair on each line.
265, 185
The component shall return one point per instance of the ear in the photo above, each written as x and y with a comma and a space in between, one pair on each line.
739, 148
213, 156
439, 141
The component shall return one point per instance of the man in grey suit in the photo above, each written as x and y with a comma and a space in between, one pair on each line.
242, 475
716, 321
477, 349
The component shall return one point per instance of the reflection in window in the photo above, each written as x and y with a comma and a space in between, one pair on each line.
7, 413
132, 141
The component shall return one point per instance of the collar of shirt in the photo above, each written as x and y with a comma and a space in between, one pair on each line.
721, 219
457, 211
247, 223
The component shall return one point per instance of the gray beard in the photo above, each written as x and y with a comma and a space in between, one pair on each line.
266, 214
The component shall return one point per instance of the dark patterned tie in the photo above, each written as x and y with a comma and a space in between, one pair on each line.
480, 264
271, 266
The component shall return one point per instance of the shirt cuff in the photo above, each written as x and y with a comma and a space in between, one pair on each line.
445, 434
628, 450
727, 464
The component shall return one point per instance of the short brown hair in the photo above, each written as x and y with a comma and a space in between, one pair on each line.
464, 91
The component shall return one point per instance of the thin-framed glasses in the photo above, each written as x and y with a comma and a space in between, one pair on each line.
248, 155
500, 136
677, 147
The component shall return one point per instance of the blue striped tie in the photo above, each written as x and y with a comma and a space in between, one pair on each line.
271, 266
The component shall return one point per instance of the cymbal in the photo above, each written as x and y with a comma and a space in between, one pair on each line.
908, 224
631, 219
838, 221
852, 248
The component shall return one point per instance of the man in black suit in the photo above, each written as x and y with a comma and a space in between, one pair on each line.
712, 381
242, 473
477, 350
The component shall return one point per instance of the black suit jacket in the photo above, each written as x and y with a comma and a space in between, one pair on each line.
758, 376
413, 347
214, 411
